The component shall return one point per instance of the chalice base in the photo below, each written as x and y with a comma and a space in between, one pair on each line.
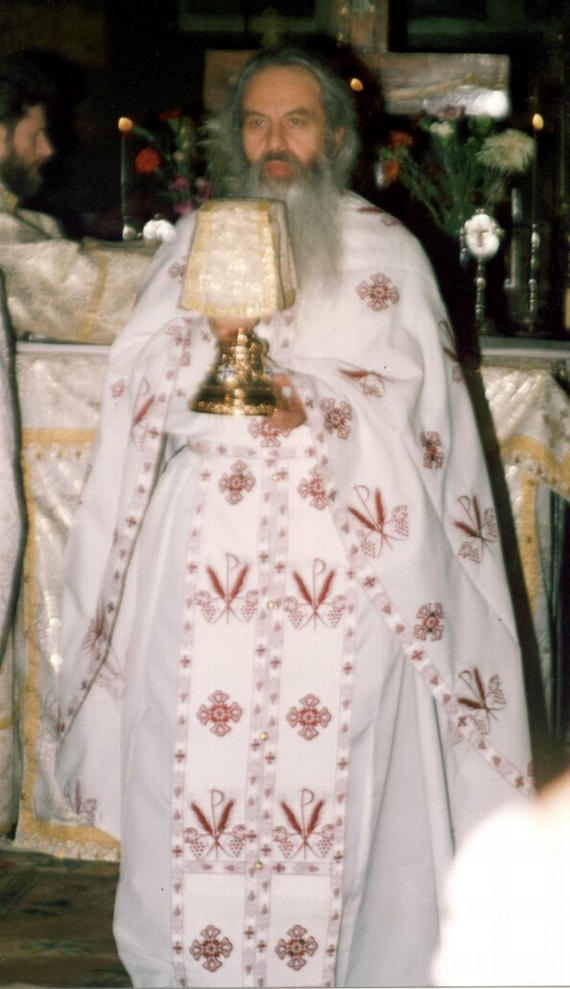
217, 401
237, 384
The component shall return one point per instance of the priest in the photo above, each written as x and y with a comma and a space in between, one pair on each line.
291, 679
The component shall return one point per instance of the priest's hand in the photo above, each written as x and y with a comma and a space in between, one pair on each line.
290, 411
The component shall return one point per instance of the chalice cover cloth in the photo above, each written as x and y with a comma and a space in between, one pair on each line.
240, 263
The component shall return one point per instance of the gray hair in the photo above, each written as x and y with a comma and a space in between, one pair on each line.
222, 132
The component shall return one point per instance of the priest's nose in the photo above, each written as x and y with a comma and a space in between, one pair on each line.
44, 148
276, 138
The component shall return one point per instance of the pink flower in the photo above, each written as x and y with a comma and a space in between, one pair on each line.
180, 184
205, 189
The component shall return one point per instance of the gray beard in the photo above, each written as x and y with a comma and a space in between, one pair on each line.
312, 201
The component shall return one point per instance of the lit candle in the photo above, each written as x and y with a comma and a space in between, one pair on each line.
125, 126
537, 125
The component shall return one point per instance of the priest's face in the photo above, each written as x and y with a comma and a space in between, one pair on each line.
24, 149
284, 126
289, 151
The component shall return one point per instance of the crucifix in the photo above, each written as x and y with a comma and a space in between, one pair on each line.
411, 81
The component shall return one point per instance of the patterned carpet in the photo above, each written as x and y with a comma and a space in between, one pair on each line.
55, 922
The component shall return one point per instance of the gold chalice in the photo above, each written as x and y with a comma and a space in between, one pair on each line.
240, 268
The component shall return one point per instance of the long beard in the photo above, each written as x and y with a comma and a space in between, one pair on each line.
20, 179
312, 200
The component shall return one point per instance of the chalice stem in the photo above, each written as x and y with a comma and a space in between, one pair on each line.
238, 383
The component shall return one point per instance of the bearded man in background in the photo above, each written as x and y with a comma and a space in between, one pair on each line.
51, 288
25, 147
296, 630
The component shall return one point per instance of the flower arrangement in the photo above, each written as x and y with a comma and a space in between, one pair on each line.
170, 156
454, 166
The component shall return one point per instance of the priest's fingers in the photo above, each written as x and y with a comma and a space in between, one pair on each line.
290, 411
287, 394
288, 419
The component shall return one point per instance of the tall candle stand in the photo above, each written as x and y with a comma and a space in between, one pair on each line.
534, 261
129, 231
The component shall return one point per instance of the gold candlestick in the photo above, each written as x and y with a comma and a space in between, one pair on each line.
534, 263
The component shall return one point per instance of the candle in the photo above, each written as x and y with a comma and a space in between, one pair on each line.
516, 246
537, 125
125, 126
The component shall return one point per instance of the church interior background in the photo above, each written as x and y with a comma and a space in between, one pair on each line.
162, 64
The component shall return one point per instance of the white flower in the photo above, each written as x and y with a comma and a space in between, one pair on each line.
441, 128
497, 105
160, 230
511, 151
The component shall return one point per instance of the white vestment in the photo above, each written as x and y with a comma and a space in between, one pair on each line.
11, 545
61, 289
16, 226
55, 289
10, 496
305, 643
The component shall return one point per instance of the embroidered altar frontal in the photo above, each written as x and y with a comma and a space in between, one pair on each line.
262, 696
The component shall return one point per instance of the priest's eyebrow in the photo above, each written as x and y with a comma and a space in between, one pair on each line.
300, 111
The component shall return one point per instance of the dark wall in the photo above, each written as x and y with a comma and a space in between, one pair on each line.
150, 66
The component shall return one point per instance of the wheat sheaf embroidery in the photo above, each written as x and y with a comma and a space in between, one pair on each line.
381, 526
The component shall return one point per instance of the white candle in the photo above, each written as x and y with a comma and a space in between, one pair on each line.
537, 125
125, 126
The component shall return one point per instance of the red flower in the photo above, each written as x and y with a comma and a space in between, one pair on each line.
147, 161
390, 171
170, 114
400, 139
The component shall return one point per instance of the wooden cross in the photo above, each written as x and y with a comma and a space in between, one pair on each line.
411, 81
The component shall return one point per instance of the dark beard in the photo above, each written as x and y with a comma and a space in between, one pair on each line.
21, 180
312, 200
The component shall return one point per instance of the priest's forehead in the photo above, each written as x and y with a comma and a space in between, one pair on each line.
285, 87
